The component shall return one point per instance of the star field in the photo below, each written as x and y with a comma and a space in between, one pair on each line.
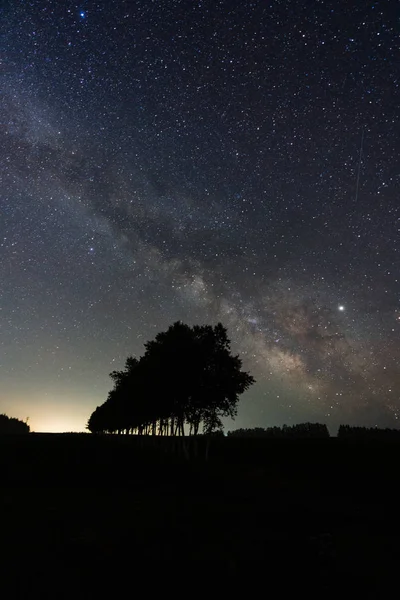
204, 161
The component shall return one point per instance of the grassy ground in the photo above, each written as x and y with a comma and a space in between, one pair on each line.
83, 518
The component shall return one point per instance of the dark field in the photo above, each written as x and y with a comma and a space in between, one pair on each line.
85, 517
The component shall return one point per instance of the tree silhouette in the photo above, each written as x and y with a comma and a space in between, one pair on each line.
302, 430
187, 376
369, 433
10, 425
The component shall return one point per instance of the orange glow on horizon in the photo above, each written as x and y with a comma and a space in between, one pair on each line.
51, 422
68, 412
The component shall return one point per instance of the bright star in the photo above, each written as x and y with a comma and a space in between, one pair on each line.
341, 307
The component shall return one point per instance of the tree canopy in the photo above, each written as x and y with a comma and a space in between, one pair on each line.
10, 425
187, 376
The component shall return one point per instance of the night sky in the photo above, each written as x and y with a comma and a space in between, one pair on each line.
201, 161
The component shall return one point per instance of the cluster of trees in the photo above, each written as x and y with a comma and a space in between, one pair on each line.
12, 425
347, 431
185, 382
303, 430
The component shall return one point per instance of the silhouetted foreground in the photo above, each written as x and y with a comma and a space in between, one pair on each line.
91, 515
187, 376
11, 425
80, 510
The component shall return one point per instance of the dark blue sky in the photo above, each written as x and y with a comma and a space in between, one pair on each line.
205, 161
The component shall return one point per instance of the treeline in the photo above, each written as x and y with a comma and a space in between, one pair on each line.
186, 381
370, 433
303, 430
11, 425
316, 430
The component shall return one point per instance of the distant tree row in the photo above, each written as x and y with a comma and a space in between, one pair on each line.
11, 425
317, 430
347, 431
303, 430
185, 382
